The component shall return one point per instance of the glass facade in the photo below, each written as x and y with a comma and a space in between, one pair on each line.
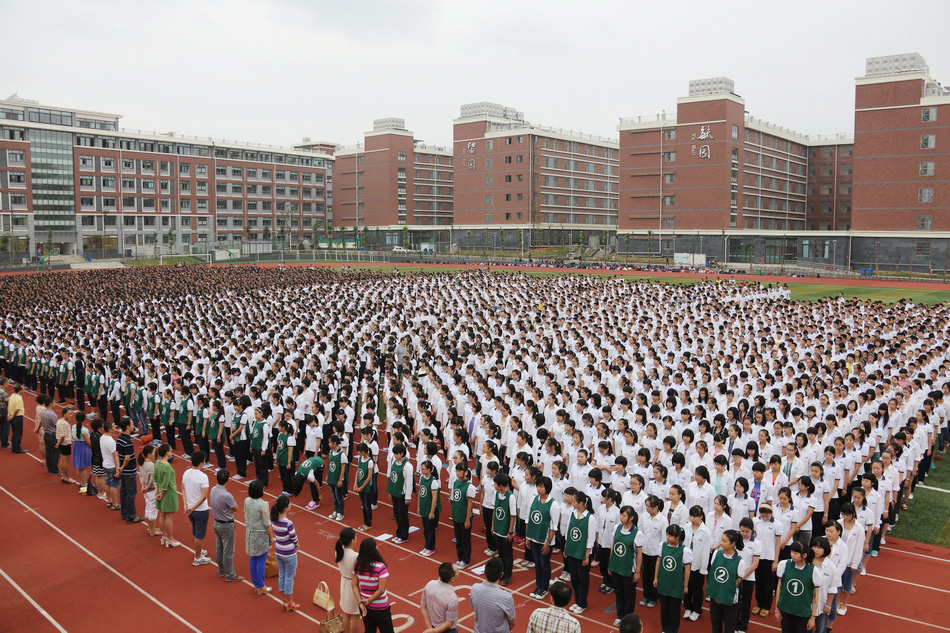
53, 183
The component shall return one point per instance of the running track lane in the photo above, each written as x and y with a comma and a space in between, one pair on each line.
410, 571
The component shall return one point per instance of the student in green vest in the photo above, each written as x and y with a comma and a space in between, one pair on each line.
167, 418
186, 411
430, 504
672, 576
216, 431
260, 434
798, 582
366, 483
310, 470
581, 533
336, 463
152, 400
462, 501
284, 456
202, 416
100, 391
540, 529
725, 575
503, 524
626, 557
400, 491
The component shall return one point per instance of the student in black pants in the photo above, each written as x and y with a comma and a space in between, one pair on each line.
462, 498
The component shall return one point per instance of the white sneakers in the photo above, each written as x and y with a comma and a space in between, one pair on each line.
197, 562
310, 506
574, 608
336, 516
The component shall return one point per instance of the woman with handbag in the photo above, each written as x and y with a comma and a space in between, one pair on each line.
345, 560
260, 534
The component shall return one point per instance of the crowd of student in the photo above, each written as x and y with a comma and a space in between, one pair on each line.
692, 439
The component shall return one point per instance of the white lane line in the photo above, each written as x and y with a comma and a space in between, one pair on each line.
903, 551
904, 582
899, 617
932, 488
100, 561
35, 604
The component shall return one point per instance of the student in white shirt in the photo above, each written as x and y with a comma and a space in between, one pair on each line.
607, 515
828, 583
700, 492
768, 532
751, 554
697, 538
677, 512
653, 525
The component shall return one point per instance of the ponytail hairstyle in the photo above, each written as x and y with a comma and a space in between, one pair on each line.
633, 514
734, 537
807, 482
147, 450
280, 505
654, 502
799, 548
347, 536
723, 501
580, 497
703, 472
613, 495
80, 418
164, 450
675, 531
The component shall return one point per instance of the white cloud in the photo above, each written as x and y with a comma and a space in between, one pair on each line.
276, 70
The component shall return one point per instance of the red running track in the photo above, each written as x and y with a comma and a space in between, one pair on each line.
78, 562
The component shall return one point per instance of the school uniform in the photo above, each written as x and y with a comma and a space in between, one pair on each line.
670, 577
581, 536
654, 535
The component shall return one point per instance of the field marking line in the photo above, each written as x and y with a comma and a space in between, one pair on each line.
904, 582
35, 604
933, 488
101, 562
898, 617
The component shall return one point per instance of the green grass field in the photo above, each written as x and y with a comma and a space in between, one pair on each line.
927, 519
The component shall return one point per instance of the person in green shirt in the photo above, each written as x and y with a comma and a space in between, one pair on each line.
400, 491
581, 532
216, 431
260, 435
167, 418
336, 464
463, 500
311, 471
285, 440
722, 587
430, 505
798, 582
503, 524
671, 577
626, 557
366, 484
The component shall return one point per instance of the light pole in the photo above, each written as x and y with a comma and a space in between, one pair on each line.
834, 255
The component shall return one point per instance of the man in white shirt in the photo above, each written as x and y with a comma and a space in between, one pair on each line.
195, 487
109, 456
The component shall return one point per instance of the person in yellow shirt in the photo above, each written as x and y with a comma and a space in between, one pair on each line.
15, 413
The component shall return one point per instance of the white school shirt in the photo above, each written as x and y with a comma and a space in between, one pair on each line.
855, 542
829, 583
654, 531
765, 534
607, 520
750, 550
702, 497
698, 540
717, 527
678, 516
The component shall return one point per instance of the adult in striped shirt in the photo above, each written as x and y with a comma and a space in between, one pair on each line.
286, 549
370, 577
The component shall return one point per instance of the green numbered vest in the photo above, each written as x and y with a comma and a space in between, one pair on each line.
501, 517
182, 418
428, 491
797, 590
539, 520
335, 468
257, 435
460, 501
721, 584
671, 571
623, 553
309, 465
165, 411
282, 449
397, 480
577, 536
214, 426
362, 472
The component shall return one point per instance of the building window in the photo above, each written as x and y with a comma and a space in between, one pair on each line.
928, 114
488, 218
507, 216
489, 163
925, 194
669, 201
507, 197
17, 200
488, 200
669, 223
922, 248
489, 144
927, 168
488, 180
520, 197
669, 156
401, 156
928, 141
86, 162
520, 157
924, 222
669, 178
14, 157
669, 134
735, 131
507, 160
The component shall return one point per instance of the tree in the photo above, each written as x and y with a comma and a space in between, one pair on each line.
247, 232
649, 242
376, 237
365, 241
629, 238
49, 242
266, 232
4, 243
501, 239
405, 236
171, 239
468, 234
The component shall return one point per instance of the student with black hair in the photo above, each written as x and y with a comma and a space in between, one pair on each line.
751, 553
345, 555
555, 619
653, 524
626, 560
630, 623
543, 519
798, 582
581, 536
400, 491
608, 515
462, 502
336, 465
725, 573
697, 538
430, 505
768, 533
370, 580
488, 505
671, 577
503, 526
366, 483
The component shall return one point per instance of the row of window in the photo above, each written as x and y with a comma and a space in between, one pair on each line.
559, 218
579, 201
570, 164
184, 149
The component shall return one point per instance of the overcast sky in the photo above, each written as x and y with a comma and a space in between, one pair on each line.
274, 71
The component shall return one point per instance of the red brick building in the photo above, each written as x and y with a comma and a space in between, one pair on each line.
509, 172
901, 145
393, 179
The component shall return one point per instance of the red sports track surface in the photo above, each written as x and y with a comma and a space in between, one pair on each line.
68, 563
